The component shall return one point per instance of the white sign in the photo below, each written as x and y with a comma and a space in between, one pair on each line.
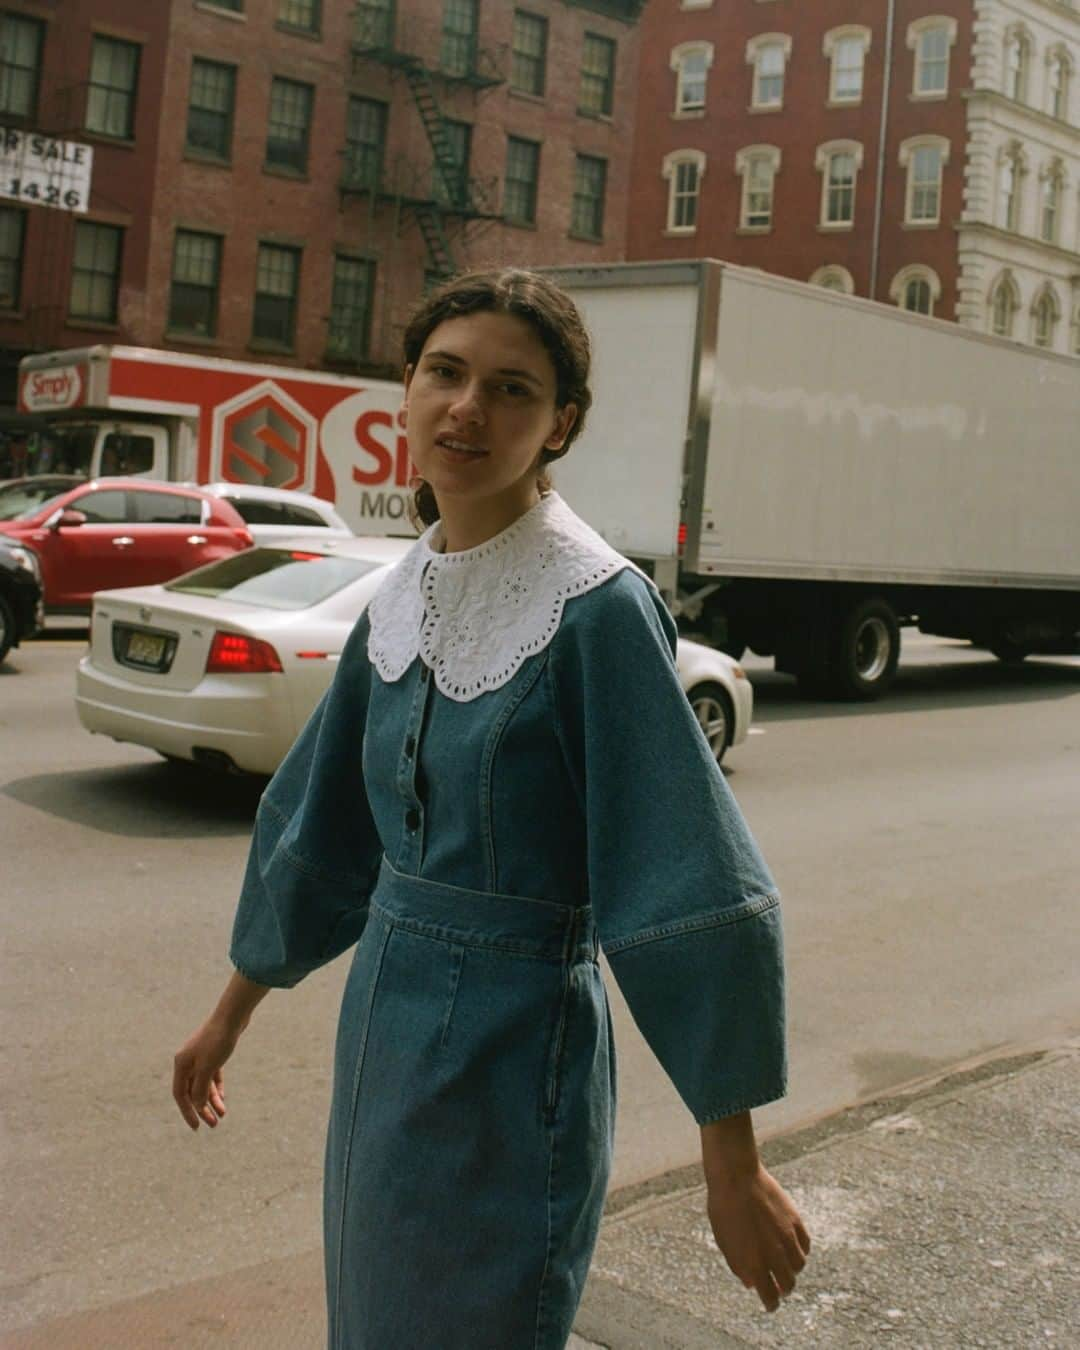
51, 390
44, 171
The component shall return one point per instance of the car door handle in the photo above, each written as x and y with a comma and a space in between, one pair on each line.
123, 541
196, 538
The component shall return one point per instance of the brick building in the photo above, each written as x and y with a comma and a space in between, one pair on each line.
279, 179
838, 143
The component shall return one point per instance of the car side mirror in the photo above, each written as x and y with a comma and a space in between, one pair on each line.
67, 519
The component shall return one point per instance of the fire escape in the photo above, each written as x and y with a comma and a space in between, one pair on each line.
445, 201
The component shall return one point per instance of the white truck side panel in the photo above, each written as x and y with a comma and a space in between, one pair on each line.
849, 441
624, 473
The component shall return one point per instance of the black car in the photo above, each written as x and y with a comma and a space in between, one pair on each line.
21, 598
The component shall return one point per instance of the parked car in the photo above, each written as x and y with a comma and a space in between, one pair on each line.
18, 495
21, 609
223, 666
272, 514
123, 532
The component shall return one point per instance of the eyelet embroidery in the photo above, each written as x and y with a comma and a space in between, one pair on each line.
476, 616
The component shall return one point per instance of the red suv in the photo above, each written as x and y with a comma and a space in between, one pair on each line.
123, 532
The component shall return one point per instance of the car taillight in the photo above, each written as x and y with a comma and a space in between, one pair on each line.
245, 536
234, 654
682, 538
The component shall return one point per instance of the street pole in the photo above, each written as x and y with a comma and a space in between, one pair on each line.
879, 189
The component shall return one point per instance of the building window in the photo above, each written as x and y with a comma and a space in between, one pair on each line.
1044, 316
1010, 180
114, 77
522, 176
691, 62
12, 236
277, 282
758, 165
924, 158
303, 14
1053, 183
95, 274
451, 170
365, 143
768, 56
350, 309
596, 97
839, 163
374, 24
290, 125
210, 108
1017, 64
916, 289
1004, 302
21, 41
931, 39
833, 277
458, 56
1058, 78
196, 278
684, 170
528, 68
587, 211
846, 49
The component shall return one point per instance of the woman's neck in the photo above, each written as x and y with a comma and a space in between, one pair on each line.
470, 523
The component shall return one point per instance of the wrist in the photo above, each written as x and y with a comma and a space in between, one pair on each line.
729, 1153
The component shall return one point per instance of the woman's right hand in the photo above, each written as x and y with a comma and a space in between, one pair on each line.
198, 1087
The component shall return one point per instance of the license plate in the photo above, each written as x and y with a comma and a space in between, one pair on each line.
145, 649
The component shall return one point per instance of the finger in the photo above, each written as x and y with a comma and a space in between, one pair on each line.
767, 1291
803, 1237
783, 1275
217, 1100
182, 1096
794, 1254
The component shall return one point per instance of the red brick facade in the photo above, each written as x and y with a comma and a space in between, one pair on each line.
158, 184
797, 244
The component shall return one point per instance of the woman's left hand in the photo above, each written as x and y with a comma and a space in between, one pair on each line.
759, 1232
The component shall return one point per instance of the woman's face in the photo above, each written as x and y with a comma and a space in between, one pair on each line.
480, 408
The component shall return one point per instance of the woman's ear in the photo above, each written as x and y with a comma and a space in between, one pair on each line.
403, 412
564, 423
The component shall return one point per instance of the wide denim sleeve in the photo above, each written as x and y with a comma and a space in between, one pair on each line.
687, 912
315, 852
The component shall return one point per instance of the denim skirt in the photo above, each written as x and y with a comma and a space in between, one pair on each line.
471, 1128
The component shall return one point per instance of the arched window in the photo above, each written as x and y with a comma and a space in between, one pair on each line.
768, 54
1017, 63
925, 158
1058, 78
833, 277
931, 39
1044, 317
691, 62
916, 288
1011, 170
839, 163
1004, 302
1052, 186
684, 170
846, 50
758, 165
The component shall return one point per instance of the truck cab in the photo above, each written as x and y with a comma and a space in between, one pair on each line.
103, 448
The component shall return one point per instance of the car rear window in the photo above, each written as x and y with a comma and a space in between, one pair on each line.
258, 512
273, 578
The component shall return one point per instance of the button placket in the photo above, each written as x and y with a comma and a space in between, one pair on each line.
411, 847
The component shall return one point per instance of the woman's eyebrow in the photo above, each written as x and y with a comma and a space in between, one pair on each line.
503, 370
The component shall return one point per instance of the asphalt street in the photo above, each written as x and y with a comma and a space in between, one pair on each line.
926, 848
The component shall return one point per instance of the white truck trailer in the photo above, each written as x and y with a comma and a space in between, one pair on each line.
806, 472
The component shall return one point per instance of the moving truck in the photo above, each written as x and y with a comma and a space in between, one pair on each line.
805, 473
135, 410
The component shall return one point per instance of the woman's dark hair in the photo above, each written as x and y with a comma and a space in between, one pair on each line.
550, 313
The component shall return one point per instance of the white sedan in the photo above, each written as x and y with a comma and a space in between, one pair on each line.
274, 514
223, 666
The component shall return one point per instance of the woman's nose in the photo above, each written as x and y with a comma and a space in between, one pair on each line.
468, 406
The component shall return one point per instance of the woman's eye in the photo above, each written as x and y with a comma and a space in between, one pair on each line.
515, 389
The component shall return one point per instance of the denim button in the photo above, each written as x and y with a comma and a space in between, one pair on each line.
412, 819
410, 746
424, 673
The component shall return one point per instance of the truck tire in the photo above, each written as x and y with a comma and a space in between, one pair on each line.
715, 714
864, 651
7, 628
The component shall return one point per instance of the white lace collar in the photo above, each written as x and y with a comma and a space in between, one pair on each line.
473, 617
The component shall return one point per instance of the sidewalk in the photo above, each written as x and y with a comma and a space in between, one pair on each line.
942, 1218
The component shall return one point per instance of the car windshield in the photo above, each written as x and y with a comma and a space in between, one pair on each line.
65, 449
274, 578
24, 499
46, 499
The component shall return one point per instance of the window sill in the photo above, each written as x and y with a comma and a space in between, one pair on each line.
680, 231
280, 171
519, 224
237, 16
835, 226
293, 30
267, 345
585, 238
938, 97
595, 116
192, 339
687, 114
103, 138
920, 224
525, 95
93, 325
743, 230
844, 102
756, 109
206, 157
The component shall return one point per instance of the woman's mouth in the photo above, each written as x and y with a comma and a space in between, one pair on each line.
459, 451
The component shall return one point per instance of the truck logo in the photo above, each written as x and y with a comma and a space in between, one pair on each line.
51, 390
265, 437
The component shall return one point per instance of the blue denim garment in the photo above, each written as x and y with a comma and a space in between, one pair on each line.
478, 853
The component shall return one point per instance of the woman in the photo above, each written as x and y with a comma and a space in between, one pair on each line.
504, 775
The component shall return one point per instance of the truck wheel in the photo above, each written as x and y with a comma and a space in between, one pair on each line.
865, 651
7, 628
715, 715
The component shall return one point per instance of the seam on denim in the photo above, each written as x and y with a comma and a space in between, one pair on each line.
455, 937
259, 979
327, 954
361, 1055
560, 734
750, 1103
541, 1294
428, 884
749, 909
457, 960
295, 860
487, 765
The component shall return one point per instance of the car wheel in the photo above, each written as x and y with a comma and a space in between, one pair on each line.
1010, 652
7, 628
715, 714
